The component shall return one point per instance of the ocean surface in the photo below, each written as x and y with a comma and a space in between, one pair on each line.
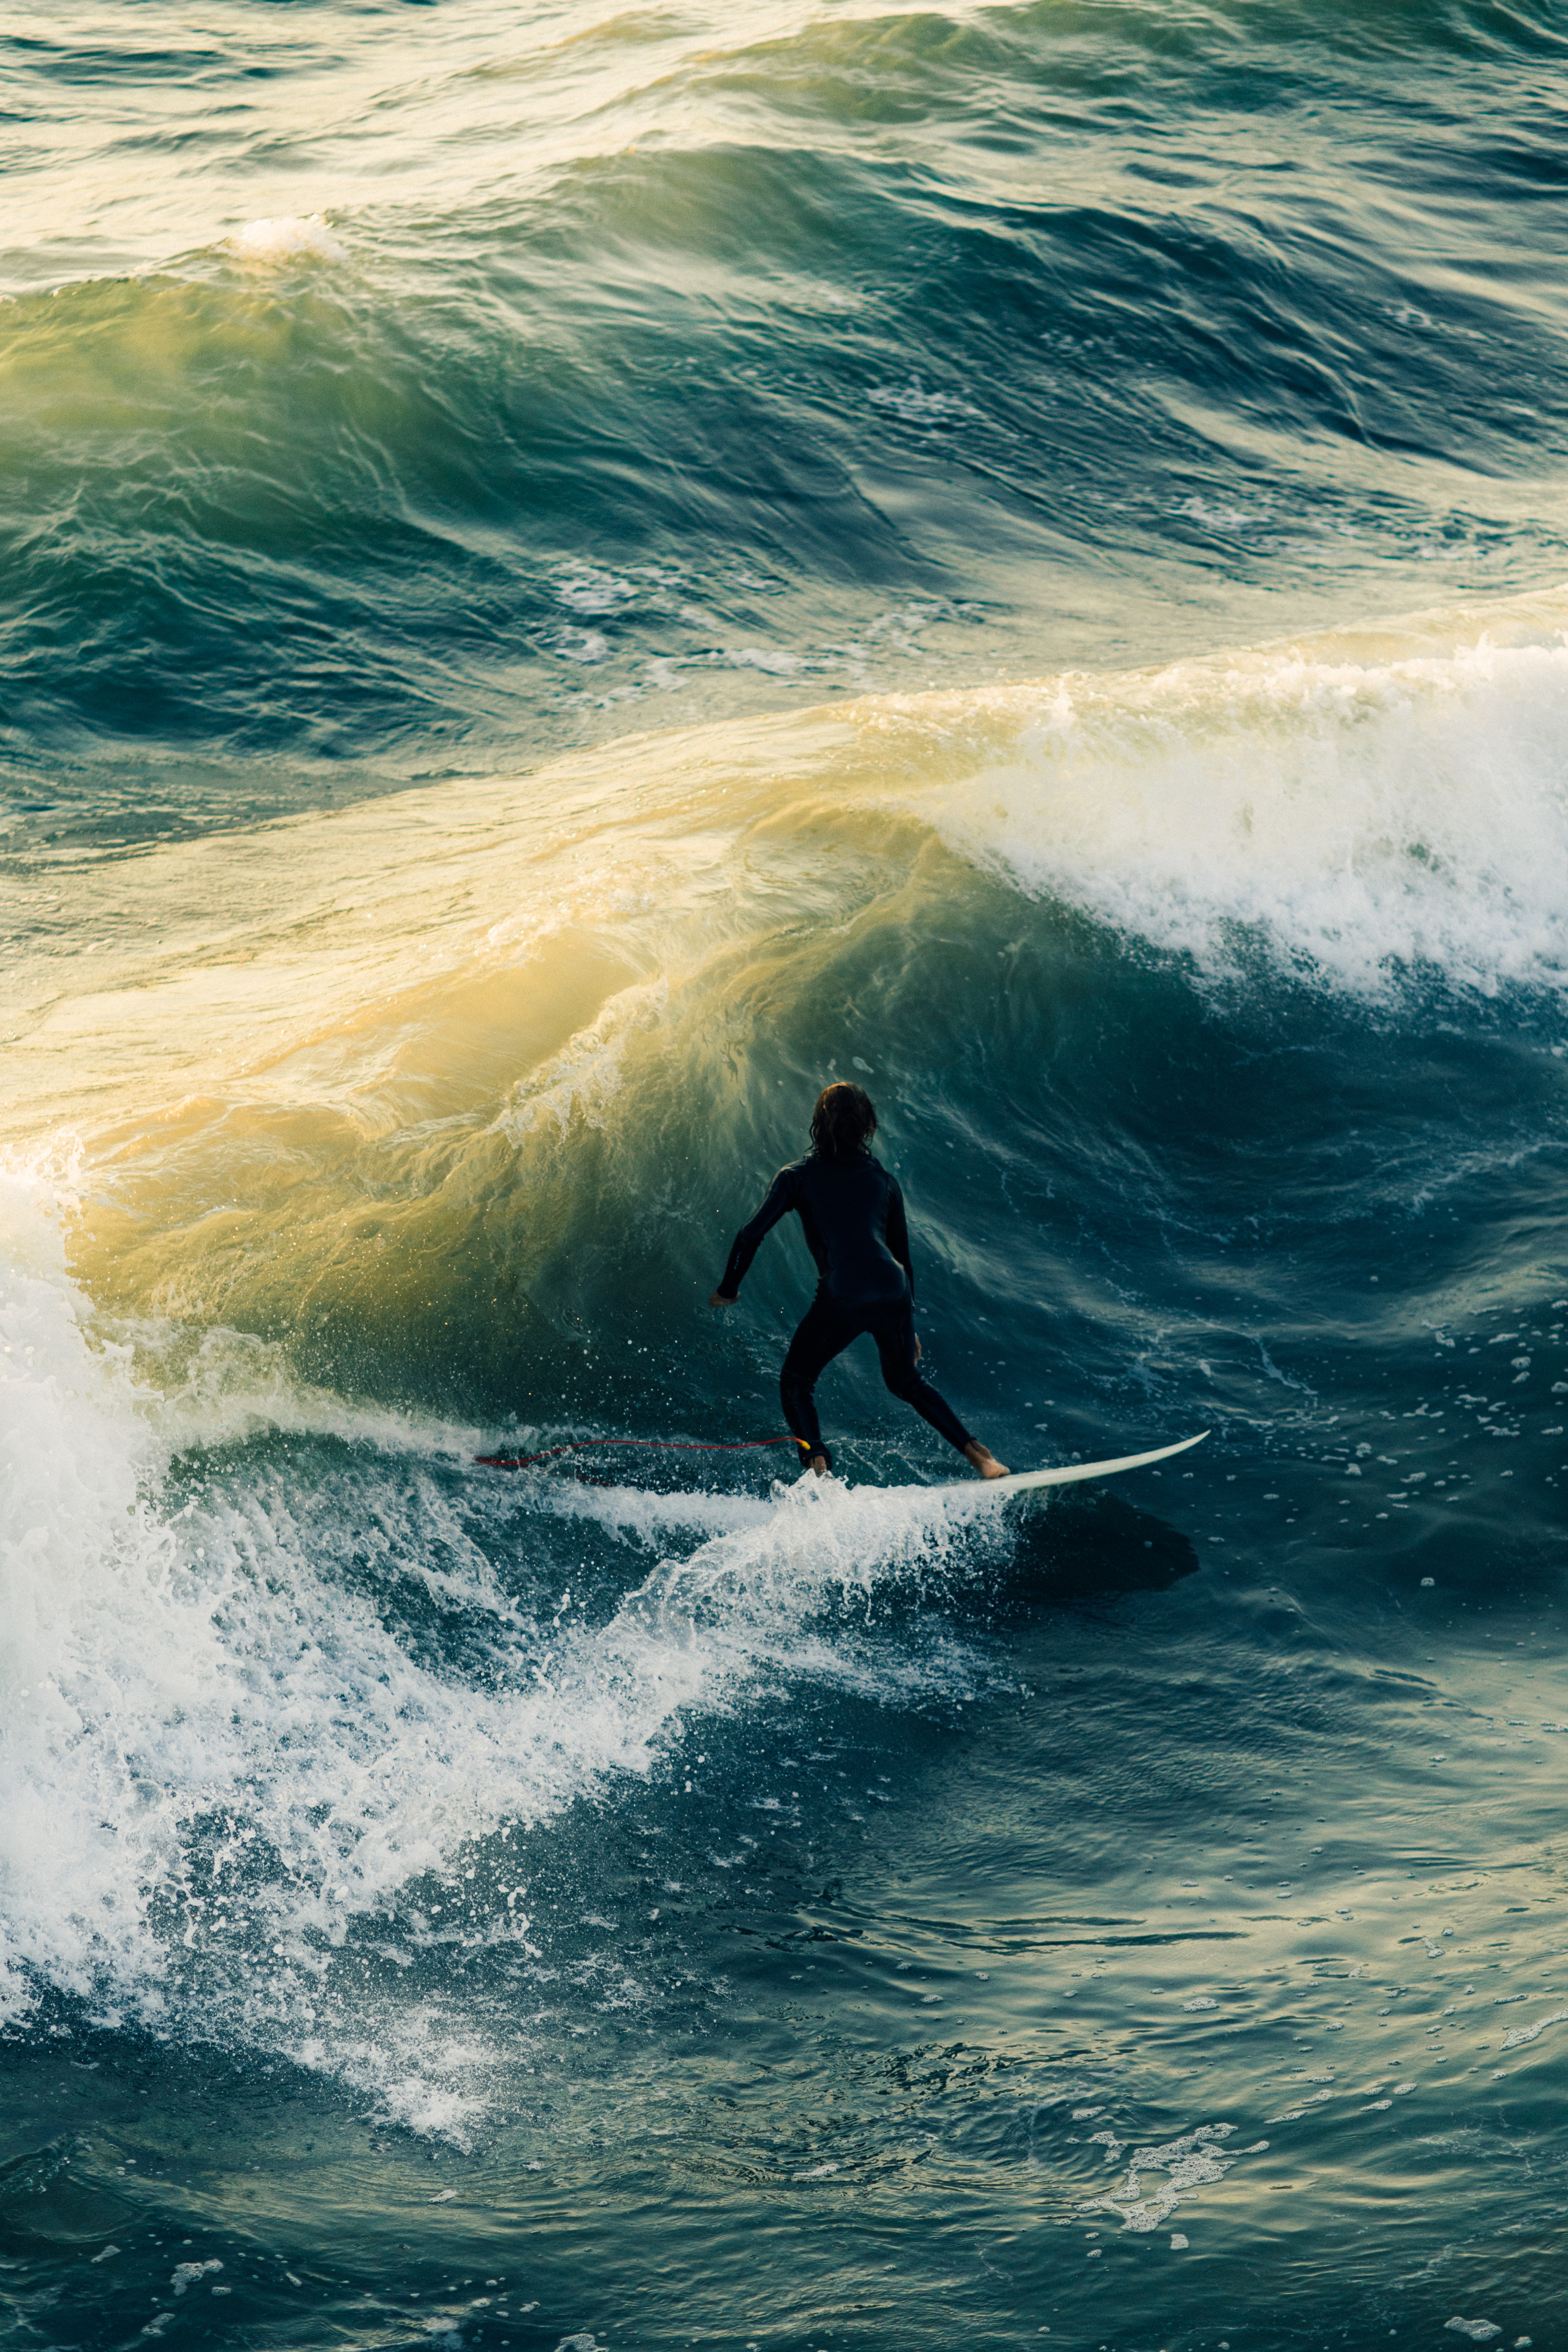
569, 574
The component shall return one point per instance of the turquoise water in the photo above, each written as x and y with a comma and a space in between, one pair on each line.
569, 577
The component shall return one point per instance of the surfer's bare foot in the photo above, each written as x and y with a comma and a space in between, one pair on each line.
980, 1457
819, 1464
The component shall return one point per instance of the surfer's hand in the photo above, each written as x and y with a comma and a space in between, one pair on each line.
917, 1347
720, 1300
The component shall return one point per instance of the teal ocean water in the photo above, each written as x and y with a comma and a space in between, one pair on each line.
570, 575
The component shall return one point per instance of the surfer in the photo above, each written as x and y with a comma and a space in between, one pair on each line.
853, 1212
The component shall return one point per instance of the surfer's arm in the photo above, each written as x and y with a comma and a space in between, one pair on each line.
743, 1249
898, 1242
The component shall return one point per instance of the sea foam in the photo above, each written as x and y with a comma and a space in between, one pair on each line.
287, 237
1350, 811
225, 1737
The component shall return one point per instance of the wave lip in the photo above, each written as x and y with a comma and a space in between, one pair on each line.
1350, 811
340, 1069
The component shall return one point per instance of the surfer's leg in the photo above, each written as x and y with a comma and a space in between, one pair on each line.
895, 1335
894, 1332
824, 1331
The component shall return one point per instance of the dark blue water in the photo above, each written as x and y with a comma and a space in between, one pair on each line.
568, 579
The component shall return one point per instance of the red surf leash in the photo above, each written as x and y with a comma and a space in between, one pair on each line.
660, 1444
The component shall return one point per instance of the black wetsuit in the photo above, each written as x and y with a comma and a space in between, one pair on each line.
853, 1212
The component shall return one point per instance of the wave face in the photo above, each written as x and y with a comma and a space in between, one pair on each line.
570, 578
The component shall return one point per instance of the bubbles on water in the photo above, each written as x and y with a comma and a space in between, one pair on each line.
916, 405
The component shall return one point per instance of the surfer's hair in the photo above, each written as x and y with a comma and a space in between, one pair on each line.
844, 1121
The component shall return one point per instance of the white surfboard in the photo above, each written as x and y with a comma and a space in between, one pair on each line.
1018, 1481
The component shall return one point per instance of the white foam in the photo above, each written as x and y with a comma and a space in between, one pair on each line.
587, 588
638, 1512
916, 405
1523, 2033
1350, 811
218, 1748
287, 236
821, 1537
1197, 2161
773, 659
585, 646
584, 1078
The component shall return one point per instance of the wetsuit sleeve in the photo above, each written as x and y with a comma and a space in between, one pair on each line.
744, 1247
899, 1232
